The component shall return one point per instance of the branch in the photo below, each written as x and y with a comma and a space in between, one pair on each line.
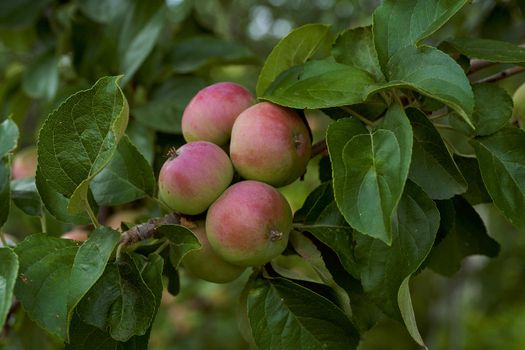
502, 75
319, 148
477, 65
146, 230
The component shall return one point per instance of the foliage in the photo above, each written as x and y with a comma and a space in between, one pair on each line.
418, 139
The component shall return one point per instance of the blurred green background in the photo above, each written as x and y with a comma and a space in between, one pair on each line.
168, 50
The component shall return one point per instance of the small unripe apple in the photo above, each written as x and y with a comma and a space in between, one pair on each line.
205, 264
519, 105
249, 224
24, 163
194, 176
76, 234
210, 114
271, 144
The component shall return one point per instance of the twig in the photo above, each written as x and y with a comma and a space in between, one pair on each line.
502, 75
319, 148
146, 230
477, 65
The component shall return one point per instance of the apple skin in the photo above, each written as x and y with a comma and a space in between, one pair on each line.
519, 105
209, 116
271, 144
24, 163
249, 224
205, 264
194, 176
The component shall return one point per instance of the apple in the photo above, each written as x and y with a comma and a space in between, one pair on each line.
249, 224
194, 176
205, 264
270, 143
209, 116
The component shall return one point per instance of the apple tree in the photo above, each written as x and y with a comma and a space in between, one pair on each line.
420, 133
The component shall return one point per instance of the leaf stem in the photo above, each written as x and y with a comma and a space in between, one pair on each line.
438, 115
92, 216
161, 204
358, 116
119, 251
2, 239
443, 126
43, 221
162, 247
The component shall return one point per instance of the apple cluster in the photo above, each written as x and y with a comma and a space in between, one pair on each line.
246, 223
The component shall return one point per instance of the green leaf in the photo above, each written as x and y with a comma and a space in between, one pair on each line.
284, 315
43, 280
143, 138
78, 140
431, 73
8, 136
320, 208
126, 178
355, 47
182, 241
57, 204
163, 112
294, 49
87, 337
196, 53
339, 239
385, 268
489, 50
433, 167
140, 30
25, 196
8, 273
398, 24
311, 255
319, 84
467, 236
407, 312
42, 77
502, 164
492, 111
120, 301
89, 264
102, 11
151, 272
5, 193
396, 120
476, 190
370, 171
173, 283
